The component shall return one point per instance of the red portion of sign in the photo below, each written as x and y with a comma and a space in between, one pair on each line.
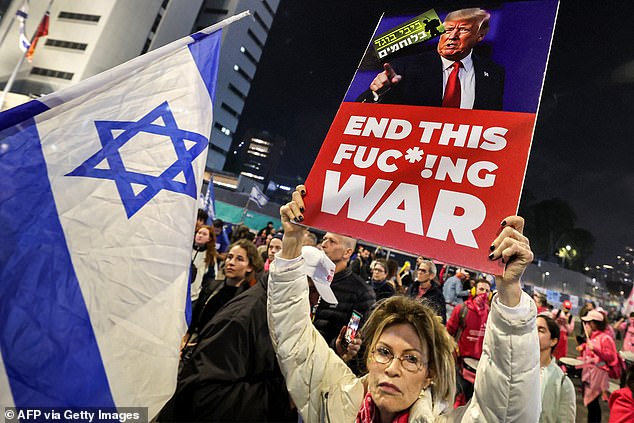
429, 181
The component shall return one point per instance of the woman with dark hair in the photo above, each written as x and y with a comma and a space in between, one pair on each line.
598, 353
411, 373
559, 404
241, 265
581, 337
378, 280
204, 259
272, 247
393, 276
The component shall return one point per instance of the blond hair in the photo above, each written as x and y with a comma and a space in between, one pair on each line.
480, 16
433, 336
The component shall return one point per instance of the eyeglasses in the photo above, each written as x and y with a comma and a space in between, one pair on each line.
422, 270
410, 362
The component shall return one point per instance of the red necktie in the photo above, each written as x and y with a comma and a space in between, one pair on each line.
452, 91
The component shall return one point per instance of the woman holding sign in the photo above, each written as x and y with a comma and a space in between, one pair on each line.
411, 374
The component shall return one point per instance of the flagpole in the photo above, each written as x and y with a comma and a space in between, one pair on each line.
244, 210
14, 74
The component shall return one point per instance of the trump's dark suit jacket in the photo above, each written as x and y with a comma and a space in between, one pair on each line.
421, 84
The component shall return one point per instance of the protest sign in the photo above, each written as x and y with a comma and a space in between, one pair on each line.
398, 170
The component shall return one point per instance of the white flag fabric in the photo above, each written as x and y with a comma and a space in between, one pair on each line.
22, 15
258, 196
628, 307
98, 192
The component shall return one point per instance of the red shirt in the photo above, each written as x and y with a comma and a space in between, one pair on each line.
621, 406
472, 336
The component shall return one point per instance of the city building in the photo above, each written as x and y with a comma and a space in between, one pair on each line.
256, 156
87, 37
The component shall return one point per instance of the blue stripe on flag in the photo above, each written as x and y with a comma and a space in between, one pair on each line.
188, 300
47, 342
21, 113
206, 53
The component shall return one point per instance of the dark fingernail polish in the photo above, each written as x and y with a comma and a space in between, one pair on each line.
303, 192
504, 223
301, 209
301, 218
492, 247
491, 256
295, 220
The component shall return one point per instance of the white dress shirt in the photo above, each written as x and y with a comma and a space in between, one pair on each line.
466, 75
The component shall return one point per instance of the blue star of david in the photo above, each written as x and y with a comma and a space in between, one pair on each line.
152, 184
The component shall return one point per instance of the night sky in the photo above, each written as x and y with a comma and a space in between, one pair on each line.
582, 150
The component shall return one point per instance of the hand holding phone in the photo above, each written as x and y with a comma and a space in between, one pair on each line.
353, 326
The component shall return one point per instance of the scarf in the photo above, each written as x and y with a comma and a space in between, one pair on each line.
367, 411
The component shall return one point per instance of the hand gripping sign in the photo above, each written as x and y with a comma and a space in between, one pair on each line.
424, 179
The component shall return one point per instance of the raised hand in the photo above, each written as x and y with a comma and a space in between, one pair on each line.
384, 80
292, 213
513, 249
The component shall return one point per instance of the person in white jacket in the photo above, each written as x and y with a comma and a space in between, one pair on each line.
411, 373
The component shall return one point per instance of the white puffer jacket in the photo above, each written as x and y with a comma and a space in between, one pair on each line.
325, 389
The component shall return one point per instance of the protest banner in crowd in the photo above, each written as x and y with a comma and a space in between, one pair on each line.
428, 151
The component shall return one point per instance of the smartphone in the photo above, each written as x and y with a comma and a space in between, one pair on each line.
353, 326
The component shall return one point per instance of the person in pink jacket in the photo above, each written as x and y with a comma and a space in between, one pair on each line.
598, 352
626, 326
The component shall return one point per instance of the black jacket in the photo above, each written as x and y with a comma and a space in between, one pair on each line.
433, 297
352, 294
422, 82
213, 296
233, 373
382, 291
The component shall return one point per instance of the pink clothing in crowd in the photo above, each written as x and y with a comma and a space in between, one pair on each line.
628, 340
595, 368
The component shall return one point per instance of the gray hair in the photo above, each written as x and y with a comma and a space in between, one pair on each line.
432, 266
480, 16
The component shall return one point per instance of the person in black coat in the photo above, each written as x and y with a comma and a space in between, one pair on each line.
232, 374
382, 288
351, 291
427, 289
421, 80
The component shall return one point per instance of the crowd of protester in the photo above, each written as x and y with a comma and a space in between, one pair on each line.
229, 370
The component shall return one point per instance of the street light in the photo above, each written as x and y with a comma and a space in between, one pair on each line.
544, 278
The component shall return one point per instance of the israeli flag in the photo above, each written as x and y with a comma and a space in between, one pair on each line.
257, 196
22, 15
209, 202
98, 192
